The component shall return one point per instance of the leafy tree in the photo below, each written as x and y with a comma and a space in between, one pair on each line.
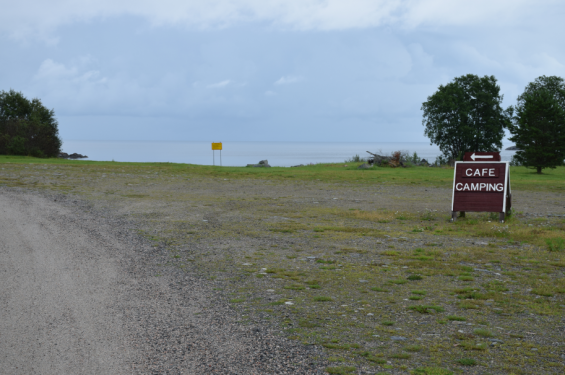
27, 127
465, 116
538, 128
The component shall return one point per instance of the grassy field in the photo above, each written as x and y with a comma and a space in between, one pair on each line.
349, 259
521, 177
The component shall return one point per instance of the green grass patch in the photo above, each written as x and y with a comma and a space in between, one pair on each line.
522, 177
419, 292
467, 362
401, 356
426, 309
555, 244
483, 332
377, 289
466, 278
414, 277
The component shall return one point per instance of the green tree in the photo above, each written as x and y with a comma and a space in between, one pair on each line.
538, 128
27, 127
466, 115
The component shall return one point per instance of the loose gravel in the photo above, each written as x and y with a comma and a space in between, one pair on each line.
83, 293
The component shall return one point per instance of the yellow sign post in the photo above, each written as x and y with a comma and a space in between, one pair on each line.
216, 146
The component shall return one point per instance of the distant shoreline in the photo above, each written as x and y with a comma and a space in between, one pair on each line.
283, 154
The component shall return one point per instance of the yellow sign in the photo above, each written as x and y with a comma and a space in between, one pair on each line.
217, 146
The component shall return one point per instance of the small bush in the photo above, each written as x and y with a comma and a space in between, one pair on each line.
456, 318
387, 323
414, 277
354, 159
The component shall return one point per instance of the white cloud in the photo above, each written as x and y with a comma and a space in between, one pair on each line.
219, 85
286, 80
36, 17
51, 71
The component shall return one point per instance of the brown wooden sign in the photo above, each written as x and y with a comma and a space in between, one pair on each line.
481, 187
481, 156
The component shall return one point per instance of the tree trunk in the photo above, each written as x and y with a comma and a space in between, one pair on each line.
539, 170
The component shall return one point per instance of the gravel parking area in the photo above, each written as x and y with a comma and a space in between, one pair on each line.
82, 294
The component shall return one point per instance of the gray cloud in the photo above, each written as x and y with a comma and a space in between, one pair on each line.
254, 70
35, 18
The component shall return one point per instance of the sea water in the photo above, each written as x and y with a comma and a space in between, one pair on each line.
280, 154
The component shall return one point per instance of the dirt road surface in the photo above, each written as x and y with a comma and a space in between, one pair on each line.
80, 294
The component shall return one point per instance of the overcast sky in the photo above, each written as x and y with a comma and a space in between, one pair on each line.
266, 70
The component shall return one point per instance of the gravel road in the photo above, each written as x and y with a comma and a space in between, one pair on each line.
81, 293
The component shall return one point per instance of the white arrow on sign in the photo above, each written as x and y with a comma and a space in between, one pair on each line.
481, 156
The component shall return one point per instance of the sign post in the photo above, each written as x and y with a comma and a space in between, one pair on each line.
216, 146
481, 183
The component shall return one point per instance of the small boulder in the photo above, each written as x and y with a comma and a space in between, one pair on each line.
398, 338
364, 166
262, 163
